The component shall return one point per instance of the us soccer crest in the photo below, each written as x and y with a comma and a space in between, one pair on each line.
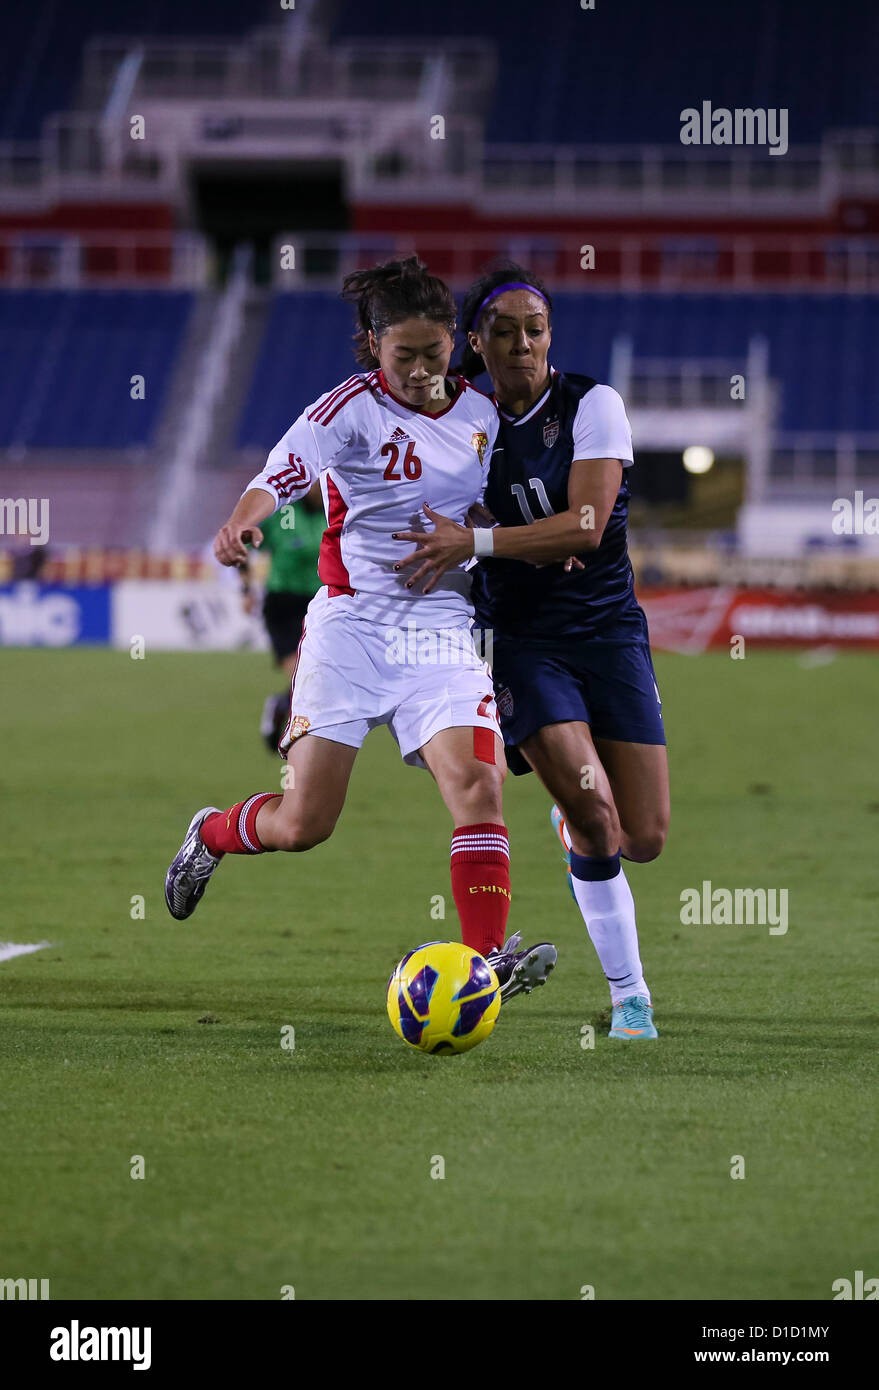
550, 433
299, 725
480, 443
504, 700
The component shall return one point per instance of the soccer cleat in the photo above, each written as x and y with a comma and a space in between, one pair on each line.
274, 718
632, 1018
558, 824
190, 869
522, 970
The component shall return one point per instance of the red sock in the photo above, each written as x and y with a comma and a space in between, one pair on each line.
234, 831
481, 884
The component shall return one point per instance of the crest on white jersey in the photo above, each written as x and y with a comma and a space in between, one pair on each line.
480, 443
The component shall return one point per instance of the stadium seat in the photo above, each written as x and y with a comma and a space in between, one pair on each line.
37, 76
70, 356
566, 81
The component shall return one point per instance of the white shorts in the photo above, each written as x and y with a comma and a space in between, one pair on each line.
354, 673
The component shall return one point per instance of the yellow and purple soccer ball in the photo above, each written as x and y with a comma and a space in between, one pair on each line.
443, 998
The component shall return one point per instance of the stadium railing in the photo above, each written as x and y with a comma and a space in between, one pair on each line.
802, 459
99, 259
79, 155
627, 260
624, 260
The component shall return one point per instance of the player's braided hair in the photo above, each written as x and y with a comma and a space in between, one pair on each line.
391, 293
499, 273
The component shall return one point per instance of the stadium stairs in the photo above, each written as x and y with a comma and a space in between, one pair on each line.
221, 477
194, 346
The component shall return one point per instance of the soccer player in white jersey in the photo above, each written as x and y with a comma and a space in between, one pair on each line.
391, 440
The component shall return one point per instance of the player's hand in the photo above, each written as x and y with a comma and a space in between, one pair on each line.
478, 515
230, 543
447, 545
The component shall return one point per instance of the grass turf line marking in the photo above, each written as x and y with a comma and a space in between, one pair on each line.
9, 949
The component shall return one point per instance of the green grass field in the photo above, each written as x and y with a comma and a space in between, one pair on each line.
564, 1166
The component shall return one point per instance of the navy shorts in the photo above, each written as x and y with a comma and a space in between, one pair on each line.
606, 681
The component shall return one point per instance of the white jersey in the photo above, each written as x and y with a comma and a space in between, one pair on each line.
378, 461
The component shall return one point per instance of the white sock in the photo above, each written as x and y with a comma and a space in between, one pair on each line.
608, 910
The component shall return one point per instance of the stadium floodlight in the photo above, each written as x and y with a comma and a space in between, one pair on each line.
698, 458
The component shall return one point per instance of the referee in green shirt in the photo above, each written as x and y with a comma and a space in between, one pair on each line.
292, 581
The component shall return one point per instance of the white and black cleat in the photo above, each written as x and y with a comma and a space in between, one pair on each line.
190, 870
519, 971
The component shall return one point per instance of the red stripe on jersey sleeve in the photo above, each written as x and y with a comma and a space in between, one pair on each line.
292, 479
358, 390
332, 396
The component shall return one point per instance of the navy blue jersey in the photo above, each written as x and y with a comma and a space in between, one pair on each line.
528, 479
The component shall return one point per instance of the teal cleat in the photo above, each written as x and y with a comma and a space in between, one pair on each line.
558, 822
632, 1018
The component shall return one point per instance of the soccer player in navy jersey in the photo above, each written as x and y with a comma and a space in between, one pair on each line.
573, 676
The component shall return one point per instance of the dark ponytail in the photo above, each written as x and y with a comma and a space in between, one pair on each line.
470, 364
391, 293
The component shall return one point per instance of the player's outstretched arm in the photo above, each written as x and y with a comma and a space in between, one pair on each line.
592, 489
242, 528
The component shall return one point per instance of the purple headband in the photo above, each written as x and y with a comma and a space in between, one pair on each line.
510, 285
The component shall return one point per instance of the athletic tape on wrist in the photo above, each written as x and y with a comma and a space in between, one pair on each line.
483, 541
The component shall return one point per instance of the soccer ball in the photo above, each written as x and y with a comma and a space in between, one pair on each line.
443, 998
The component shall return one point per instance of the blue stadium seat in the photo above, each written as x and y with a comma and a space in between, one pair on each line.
620, 73
306, 351
69, 356
41, 54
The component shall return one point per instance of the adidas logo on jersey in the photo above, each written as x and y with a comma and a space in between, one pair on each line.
399, 435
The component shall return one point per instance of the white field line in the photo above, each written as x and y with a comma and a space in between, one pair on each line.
8, 949
817, 656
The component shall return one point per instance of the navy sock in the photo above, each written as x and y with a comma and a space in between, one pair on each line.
593, 868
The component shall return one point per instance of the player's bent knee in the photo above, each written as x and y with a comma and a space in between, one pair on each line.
488, 784
643, 848
479, 798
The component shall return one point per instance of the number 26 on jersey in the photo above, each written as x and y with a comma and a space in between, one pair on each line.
411, 464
